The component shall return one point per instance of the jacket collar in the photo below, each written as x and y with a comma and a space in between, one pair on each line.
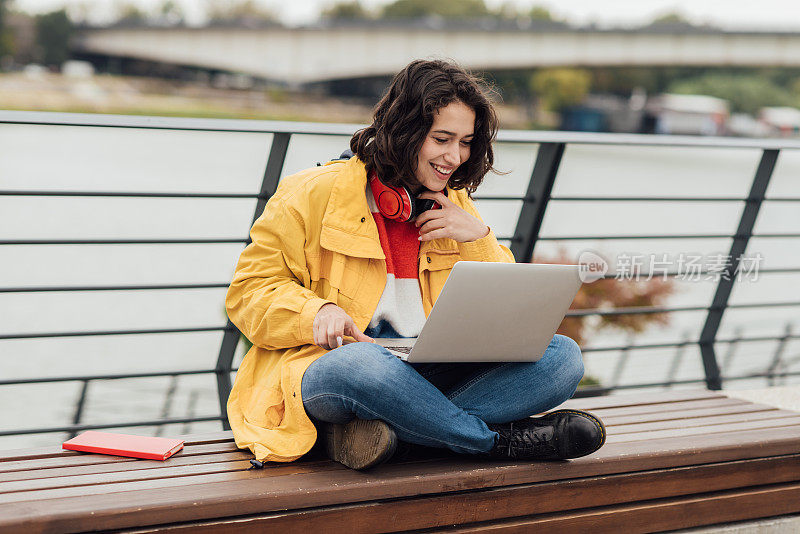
348, 226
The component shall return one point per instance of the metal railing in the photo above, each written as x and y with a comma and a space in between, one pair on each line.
549, 146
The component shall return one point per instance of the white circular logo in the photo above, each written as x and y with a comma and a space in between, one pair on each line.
592, 267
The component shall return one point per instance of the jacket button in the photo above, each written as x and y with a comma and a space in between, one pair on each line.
429, 259
363, 219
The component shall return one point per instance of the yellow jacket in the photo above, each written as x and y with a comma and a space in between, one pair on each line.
316, 242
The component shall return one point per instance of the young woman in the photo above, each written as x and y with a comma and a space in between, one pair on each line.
350, 251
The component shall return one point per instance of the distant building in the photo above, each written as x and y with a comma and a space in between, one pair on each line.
688, 114
783, 121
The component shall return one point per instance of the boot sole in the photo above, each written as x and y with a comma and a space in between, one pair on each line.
360, 444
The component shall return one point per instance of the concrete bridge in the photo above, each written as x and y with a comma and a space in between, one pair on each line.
365, 49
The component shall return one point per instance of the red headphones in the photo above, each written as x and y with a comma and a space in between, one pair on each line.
398, 203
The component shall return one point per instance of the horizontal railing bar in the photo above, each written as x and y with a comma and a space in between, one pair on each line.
686, 343
670, 199
109, 288
678, 236
499, 197
234, 240
76, 428
103, 377
126, 194
670, 274
647, 199
258, 126
758, 338
645, 346
633, 311
659, 309
602, 389
113, 332
762, 375
120, 241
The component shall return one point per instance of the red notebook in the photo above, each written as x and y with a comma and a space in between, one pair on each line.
152, 448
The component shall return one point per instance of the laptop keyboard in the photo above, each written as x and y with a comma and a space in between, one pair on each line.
405, 350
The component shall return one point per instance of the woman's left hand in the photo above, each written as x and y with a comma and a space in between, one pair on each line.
448, 221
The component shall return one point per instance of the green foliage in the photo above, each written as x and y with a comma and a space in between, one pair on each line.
5, 38
670, 18
53, 32
540, 13
346, 10
129, 13
559, 88
238, 11
746, 92
443, 8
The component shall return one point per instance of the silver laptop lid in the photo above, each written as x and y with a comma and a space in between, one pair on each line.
500, 312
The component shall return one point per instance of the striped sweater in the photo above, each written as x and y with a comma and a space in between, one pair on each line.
400, 305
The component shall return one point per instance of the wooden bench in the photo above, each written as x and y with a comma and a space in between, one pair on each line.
672, 460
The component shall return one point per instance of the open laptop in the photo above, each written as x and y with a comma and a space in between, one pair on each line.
492, 312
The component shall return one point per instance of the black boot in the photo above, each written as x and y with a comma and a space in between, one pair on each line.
555, 436
359, 444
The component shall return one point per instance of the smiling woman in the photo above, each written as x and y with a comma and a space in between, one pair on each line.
361, 248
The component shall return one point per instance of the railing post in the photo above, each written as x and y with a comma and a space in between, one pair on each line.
708, 335
272, 174
548, 158
79, 405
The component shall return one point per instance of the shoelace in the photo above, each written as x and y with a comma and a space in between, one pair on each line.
529, 442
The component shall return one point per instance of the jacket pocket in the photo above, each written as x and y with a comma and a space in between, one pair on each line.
339, 271
265, 408
440, 260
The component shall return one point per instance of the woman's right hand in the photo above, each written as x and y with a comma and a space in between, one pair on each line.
331, 324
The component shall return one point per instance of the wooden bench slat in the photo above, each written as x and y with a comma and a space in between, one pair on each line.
659, 397
687, 414
118, 467
711, 421
657, 516
81, 458
56, 450
495, 504
698, 404
787, 422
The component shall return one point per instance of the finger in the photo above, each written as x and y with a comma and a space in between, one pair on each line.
434, 234
432, 225
426, 216
438, 196
357, 334
333, 333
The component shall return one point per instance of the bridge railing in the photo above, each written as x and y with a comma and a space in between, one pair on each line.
120, 235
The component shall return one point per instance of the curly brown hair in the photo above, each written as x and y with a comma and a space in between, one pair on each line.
404, 116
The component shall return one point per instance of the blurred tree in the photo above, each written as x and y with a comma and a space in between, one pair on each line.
610, 293
540, 13
170, 13
245, 12
6, 46
444, 8
53, 31
130, 13
746, 92
670, 18
346, 10
559, 88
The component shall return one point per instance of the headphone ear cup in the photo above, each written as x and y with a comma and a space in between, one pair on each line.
422, 205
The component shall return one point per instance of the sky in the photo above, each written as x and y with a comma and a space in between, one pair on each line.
733, 14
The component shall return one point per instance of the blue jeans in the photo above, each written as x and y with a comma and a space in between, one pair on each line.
444, 405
